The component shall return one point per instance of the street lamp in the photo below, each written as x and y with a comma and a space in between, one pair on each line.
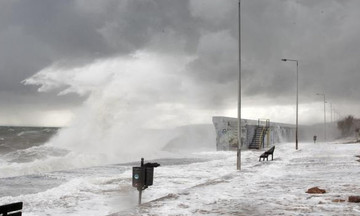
331, 112
297, 99
323, 94
238, 161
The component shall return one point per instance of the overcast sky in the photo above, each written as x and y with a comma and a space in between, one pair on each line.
176, 60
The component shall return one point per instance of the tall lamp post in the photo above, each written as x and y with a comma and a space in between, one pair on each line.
323, 94
331, 113
238, 161
297, 99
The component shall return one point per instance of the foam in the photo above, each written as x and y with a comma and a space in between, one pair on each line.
124, 108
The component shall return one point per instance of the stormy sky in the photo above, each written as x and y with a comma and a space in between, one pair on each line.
180, 57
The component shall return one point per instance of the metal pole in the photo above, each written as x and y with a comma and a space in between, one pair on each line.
331, 113
297, 104
324, 118
238, 163
323, 94
140, 189
297, 101
140, 192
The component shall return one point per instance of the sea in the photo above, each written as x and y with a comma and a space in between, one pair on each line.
51, 180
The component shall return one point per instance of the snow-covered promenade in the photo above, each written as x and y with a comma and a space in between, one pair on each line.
275, 187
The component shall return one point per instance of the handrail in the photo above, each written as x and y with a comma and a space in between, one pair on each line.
261, 137
266, 121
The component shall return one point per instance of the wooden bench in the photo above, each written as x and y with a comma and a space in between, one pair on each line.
13, 209
267, 153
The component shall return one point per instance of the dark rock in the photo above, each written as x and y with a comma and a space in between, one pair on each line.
315, 190
338, 200
354, 199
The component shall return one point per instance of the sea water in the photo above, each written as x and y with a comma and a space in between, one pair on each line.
56, 181
85, 168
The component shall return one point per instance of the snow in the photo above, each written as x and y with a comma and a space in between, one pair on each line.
275, 187
203, 183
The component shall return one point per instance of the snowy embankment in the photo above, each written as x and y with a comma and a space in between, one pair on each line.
275, 187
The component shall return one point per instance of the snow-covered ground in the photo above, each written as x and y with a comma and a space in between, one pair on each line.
203, 183
275, 187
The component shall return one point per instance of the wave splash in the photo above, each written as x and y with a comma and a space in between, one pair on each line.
125, 115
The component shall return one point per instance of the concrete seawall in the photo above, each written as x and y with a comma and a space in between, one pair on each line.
227, 138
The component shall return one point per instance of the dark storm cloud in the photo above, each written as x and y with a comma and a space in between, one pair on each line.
322, 35
35, 34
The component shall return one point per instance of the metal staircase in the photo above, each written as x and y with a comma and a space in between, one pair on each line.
259, 135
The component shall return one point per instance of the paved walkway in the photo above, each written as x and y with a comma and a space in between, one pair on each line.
272, 187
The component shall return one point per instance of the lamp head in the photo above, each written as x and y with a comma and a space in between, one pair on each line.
283, 59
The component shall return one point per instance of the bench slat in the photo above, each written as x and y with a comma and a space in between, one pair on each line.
11, 207
15, 214
270, 150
